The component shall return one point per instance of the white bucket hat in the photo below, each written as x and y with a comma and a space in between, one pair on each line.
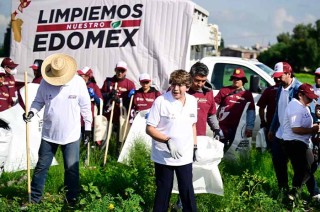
58, 69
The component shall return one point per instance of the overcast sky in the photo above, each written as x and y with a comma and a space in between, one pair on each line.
244, 22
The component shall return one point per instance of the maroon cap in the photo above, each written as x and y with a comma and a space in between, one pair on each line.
7, 62
308, 90
281, 68
239, 73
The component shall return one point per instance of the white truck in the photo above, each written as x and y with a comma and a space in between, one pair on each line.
259, 77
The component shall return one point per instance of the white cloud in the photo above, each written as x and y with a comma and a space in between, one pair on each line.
281, 18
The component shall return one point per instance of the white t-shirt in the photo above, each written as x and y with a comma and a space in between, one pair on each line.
296, 115
171, 118
282, 105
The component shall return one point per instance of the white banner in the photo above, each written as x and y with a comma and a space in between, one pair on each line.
150, 35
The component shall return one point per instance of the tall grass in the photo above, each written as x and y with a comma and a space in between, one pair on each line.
249, 185
305, 78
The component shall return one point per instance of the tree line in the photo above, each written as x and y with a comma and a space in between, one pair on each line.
301, 49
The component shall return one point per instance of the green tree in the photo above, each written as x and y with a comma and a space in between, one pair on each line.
301, 48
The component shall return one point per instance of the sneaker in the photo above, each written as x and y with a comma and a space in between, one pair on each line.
25, 205
316, 198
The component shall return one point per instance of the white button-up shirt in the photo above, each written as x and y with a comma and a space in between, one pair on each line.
62, 108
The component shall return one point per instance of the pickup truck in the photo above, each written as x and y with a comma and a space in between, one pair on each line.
258, 74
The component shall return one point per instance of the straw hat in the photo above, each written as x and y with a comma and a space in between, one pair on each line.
58, 69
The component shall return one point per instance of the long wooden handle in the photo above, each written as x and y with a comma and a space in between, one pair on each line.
26, 103
126, 123
109, 128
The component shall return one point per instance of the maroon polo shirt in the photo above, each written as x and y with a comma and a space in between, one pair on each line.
206, 107
231, 106
5, 98
144, 101
268, 100
123, 89
10, 81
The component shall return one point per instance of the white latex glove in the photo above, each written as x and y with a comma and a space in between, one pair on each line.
173, 150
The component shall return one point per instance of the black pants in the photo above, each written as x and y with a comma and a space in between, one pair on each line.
280, 162
164, 182
297, 151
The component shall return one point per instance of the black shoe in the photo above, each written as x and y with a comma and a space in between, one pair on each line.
71, 203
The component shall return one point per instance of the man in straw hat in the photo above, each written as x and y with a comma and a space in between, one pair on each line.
64, 96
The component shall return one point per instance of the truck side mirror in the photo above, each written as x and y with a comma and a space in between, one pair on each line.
254, 84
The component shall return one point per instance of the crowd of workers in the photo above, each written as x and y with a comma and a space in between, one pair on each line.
288, 113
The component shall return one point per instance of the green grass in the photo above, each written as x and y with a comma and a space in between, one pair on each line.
249, 185
305, 78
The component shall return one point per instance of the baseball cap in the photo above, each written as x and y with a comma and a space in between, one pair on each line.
85, 71
122, 65
281, 68
239, 73
308, 90
317, 72
144, 77
9, 63
36, 64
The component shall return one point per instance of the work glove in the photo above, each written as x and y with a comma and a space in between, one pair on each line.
173, 150
87, 136
114, 96
91, 92
131, 92
216, 134
27, 118
195, 148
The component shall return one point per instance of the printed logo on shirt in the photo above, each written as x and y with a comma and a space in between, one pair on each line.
239, 97
146, 99
72, 97
202, 100
122, 89
192, 115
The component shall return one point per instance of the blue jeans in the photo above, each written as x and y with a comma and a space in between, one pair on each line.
46, 153
164, 182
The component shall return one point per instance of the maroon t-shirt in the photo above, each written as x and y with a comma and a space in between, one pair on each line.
231, 106
5, 98
11, 83
123, 89
206, 107
144, 101
268, 100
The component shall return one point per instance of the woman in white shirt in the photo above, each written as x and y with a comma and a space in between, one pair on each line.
298, 129
172, 125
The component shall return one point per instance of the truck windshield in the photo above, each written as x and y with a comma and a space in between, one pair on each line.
265, 68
